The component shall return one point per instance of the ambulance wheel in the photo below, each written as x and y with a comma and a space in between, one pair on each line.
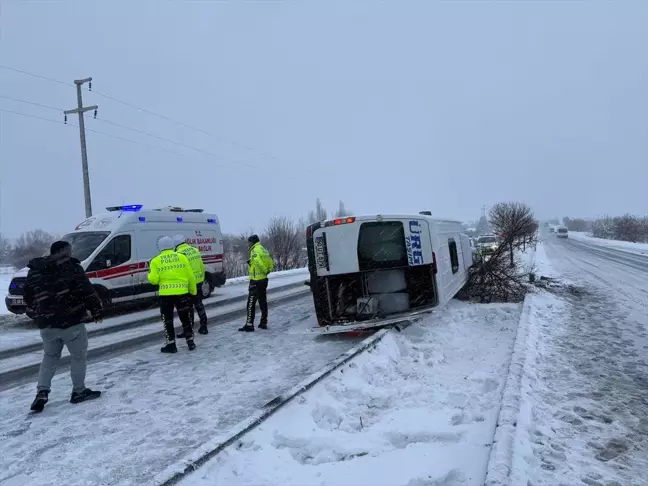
206, 287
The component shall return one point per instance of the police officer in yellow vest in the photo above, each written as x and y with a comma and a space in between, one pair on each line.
260, 265
195, 260
172, 272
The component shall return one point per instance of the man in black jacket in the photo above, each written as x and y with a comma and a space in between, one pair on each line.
58, 295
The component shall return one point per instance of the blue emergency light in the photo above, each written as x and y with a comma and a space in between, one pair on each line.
211, 220
179, 220
132, 207
142, 219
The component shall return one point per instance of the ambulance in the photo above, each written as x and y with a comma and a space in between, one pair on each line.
115, 249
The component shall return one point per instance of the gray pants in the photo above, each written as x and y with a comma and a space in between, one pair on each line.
76, 340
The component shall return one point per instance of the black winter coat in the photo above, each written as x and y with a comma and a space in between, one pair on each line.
58, 292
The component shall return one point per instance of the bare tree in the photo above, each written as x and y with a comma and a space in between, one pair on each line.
577, 224
5, 249
515, 224
628, 228
319, 214
497, 277
495, 280
283, 240
342, 211
235, 255
30, 245
625, 228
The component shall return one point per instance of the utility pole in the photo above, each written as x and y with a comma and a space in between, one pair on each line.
80, 109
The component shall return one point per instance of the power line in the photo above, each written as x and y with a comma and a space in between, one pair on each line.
35, 75
31, 103
35, 116
142, 132
152, 113
190, 147
130, 140
189, 127
98, 132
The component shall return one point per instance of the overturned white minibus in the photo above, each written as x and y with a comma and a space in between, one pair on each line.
375, 268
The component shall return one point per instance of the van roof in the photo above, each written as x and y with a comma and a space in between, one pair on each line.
113, 220
373, 217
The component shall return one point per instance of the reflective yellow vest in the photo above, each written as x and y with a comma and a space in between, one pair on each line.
195, 260
261, 263
172, 272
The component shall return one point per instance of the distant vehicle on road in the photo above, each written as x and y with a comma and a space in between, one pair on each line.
487, 244
562, 232
115, 249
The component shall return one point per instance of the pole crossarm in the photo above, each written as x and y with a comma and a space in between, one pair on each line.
82, 110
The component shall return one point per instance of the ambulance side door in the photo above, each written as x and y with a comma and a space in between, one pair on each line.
115, 265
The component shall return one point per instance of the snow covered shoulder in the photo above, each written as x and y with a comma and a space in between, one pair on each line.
419, 409
575, 408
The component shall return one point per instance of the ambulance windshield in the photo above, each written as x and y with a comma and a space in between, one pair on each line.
84, 243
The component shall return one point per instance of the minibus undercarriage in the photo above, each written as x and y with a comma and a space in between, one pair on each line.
376, 293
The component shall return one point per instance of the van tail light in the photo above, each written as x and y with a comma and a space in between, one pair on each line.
339, 221
434, 263
309, 231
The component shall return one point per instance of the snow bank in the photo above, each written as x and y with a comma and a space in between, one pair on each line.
641, 248
525, 259
274, 275
543, 265
418, 410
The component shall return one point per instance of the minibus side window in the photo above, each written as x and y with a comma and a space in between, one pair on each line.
454, 258
116, 252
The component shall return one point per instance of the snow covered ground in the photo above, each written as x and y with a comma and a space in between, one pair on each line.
157, 408
581, 408
418, 410
641, 248
22, 333
299, 273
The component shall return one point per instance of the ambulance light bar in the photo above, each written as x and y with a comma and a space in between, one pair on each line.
130, 208
177, 209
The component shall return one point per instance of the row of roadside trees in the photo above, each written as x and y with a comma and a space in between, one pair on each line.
625, 228
284, 238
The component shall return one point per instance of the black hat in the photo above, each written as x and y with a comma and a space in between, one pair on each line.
253, 239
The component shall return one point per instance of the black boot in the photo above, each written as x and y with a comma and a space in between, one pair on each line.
181, 334
39, 402
191, 345
170, 348
203, 329
263, 325
247, 328
85, 395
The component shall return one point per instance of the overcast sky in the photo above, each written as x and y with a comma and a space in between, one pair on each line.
394, 106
